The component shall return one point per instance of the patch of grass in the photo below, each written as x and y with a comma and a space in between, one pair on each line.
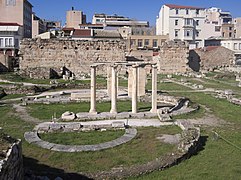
12, 96
82, 138
218, 160
145, 147
44, 111
220, 107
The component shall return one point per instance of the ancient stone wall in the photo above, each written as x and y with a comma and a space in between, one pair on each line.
172, 58
210, 58
11, 167
55, 57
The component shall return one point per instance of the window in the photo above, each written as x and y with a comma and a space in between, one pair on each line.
230, 34
133, 42
197, 11
176, 22
10, 2
176, 11
187, 33
217, 28
187, 11
197, 22
154, 43
6, 42
10, 42
1, 42
188, 21
235, 46
239, 46
197, 33
146, 42
176, 33
230, 28
140, 43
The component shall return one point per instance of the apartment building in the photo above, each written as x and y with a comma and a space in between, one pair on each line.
237, 27
17, 11
222, 21
74, 18
117, 21
38, 26
10, 36
185, 23
52, 25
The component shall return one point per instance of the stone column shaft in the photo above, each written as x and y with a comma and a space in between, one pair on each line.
93, 90
154, 89
134, 89
113, 90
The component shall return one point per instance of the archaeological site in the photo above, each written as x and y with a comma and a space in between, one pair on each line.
118, 98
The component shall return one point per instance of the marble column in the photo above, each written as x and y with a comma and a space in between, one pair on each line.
93, 90
134, 88
154, 89
113, 89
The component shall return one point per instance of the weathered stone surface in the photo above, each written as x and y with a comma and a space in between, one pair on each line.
68, 116
12, 166
32, 137
172, 58
54, 57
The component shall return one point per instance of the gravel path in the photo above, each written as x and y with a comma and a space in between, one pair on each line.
23, 114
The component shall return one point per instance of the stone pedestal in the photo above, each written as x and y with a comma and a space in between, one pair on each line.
154, 89
113, 90
93, 90
134, 88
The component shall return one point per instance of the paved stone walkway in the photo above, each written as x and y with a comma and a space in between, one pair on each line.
33, 138
23, 114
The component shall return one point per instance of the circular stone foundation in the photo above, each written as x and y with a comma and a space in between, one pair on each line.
33, 138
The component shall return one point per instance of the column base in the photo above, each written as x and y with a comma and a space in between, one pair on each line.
113, 111
153, 110
93, 111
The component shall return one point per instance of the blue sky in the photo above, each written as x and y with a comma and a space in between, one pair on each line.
137, 9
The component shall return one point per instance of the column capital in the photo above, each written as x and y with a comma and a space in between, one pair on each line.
135, 65
154, 66
93, 66
114, 65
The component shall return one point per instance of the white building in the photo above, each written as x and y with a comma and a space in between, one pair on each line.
10, 36
184, 23
232, 44
117, 21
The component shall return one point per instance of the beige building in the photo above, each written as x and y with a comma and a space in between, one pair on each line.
17, 11
74, 18
146, 41
237, 27
38, 26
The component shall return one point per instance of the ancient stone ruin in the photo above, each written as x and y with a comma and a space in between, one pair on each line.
44, 59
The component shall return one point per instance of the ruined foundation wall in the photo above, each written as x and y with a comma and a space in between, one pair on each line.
12, 166
172, 58
216, 57
49, 58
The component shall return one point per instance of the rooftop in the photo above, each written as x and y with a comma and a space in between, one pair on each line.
182, 7
9, 24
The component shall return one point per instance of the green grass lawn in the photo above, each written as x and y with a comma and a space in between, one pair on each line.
12, 96
46, 111
82, 138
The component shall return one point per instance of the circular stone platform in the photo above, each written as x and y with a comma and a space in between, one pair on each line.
33, 138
